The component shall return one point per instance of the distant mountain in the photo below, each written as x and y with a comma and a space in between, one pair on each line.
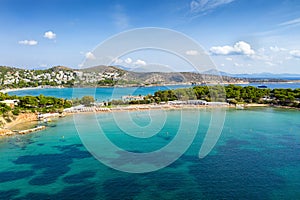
145, 76
269, 76
111, 75
216, 72
264, 75
101, 69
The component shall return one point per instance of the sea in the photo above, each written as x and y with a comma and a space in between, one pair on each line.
156, 154
109, 93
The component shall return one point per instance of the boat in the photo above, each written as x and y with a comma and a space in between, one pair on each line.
262, 86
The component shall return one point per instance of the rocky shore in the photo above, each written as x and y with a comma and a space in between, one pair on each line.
8, 124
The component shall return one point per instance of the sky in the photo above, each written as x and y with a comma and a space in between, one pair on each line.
240, 36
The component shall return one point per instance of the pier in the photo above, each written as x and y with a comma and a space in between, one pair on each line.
38, 128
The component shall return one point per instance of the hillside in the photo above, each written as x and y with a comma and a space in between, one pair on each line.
100, 76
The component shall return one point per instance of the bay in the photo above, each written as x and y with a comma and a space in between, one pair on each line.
101, 94
256, 157
108, 93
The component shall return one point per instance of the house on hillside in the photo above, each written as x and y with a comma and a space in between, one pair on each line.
11, 103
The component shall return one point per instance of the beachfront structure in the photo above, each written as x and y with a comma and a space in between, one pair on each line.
48, 115
82, 108
198, 102
217, 103
11, 103
188, 102
132, 98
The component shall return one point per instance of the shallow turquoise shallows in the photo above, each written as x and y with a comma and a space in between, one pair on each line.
256, 157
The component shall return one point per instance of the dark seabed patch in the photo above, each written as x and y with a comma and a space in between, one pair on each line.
79, 178
9, 194
52, 165
236, 173
122, 188
86, 191
49, 176
12, 175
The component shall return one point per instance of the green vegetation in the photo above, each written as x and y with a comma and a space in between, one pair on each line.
87, 100
4, 108
107, 82
33, 104
231, 93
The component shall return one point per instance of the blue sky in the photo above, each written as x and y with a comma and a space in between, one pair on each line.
241, 36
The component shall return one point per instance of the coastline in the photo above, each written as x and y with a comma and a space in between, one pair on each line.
150, 85
118, 86
28, 88
23, 118
18, 89
31, 117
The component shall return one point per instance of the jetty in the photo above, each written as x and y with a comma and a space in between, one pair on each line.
38, 128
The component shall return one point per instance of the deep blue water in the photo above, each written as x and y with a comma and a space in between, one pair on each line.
292, 85
256, 157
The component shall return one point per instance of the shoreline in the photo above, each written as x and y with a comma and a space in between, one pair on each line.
147, 86
23, 118
32, 117
27, 88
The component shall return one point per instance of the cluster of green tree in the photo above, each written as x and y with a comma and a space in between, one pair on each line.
23, 84
286, 97
86, 101
41, 103
208, 93
107, 82
231, 93
250, 94
4, 108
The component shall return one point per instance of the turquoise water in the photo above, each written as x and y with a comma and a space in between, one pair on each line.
101, 94
256, 157
104, 94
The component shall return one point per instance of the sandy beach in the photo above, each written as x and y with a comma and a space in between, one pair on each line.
31, 117
19, 89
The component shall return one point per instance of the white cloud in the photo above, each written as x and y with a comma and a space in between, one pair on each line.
270, 63
295, 53
277, 49
139, 62
191, 52
128, 60
236, 64
240, 48
90, 56
118, 61
28, 42
202, 6
229, 59
50, 35
290, 22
